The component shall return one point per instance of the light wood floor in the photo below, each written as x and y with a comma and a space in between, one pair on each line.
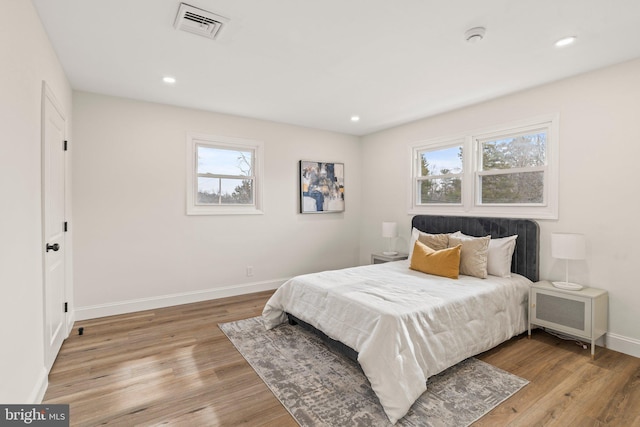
174, 366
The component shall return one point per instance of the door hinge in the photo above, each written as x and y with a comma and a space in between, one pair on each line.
66, 226
65, 145
66, 307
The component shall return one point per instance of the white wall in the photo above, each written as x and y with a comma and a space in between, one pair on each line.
136, 248
599, 150
27, 59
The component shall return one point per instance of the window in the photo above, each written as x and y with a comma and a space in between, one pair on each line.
440, 175
506, 171
223, 175
512, 168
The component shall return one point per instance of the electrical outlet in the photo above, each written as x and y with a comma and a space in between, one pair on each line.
249, 271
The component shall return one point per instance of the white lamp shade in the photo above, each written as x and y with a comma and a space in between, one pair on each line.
389, 229
568, 246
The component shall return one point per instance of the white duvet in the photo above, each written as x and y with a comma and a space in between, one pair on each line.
405, 325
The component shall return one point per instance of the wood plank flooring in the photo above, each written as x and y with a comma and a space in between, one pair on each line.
174, 366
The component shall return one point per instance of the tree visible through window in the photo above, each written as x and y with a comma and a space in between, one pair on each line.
513, 169
440, 176
509, 170
225, 176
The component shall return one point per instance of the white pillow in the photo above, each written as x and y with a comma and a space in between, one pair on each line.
500, 254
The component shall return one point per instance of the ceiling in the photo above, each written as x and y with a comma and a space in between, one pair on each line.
317, 63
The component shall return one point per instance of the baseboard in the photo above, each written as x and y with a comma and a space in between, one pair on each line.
623, 344
40, 388
130, 306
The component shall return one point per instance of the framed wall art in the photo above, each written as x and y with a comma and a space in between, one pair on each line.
321, 187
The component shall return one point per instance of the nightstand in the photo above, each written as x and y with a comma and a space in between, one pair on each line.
379, 258
582, 313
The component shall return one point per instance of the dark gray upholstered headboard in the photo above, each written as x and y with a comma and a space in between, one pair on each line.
525, 258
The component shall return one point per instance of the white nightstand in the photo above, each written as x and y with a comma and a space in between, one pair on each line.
379, 258
582, 314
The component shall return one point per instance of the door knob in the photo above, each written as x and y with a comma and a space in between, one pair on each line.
53, 247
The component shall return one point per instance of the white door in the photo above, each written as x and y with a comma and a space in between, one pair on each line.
53, 223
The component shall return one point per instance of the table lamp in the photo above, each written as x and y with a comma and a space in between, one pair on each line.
390, 231
568, 246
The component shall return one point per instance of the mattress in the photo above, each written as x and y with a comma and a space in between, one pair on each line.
405, 325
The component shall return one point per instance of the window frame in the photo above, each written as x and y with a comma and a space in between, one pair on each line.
472, 172
195, 140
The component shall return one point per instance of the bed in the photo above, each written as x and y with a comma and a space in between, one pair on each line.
404, 326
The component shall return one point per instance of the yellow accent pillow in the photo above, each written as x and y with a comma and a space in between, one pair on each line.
445, 263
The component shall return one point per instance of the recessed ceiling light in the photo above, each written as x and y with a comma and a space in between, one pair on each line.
355, 118
169, 79
566, 41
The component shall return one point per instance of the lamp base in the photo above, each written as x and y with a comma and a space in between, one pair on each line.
390, 253
567, 286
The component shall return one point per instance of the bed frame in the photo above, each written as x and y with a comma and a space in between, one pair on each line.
525, 257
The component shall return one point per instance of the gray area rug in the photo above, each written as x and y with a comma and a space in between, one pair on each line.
322, 388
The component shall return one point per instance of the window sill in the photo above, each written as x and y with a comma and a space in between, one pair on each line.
528, 213
223, 210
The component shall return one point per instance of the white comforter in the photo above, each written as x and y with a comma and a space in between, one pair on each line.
405, 325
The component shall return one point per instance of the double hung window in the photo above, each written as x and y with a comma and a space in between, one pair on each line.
439, 171
223, 175
510, 170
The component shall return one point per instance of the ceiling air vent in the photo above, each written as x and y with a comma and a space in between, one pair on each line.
199, 21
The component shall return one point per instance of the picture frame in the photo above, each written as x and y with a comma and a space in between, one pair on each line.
321, 187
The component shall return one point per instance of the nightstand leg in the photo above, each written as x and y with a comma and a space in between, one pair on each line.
593, 350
